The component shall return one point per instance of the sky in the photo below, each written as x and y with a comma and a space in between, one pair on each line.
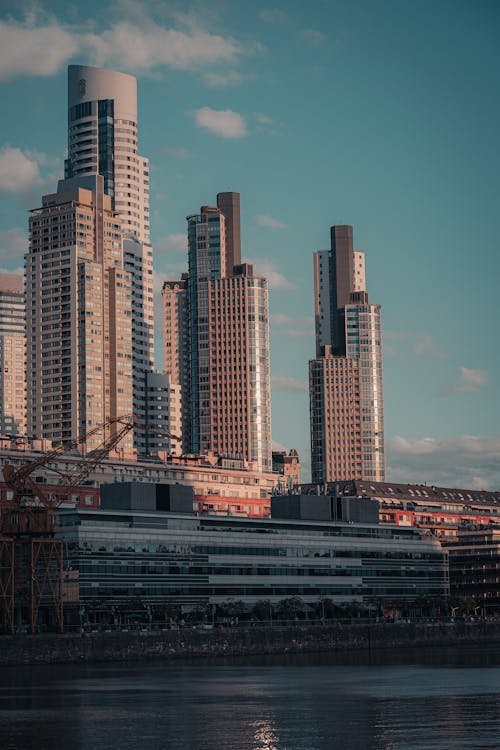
383, 115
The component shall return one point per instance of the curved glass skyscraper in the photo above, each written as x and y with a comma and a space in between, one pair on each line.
103, 139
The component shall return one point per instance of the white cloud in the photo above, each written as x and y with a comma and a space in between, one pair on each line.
19, 170
471, 381
223, 122
148, 46
34, 50
13, 245
41, 45
266, 268
467, 462
284, 383
221, 80
264, 220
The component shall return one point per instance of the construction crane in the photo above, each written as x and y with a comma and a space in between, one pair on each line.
31, 558
29, 493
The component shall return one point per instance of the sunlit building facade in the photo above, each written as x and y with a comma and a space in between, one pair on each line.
103, 139
78, 315
176, 349
12, 355
216, 341
345, 378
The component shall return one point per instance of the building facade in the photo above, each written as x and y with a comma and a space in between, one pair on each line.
103, 139
78, 314
156, 558
288, 465
345, 378
474, 558
12, 355
163, 415
176, 348
223, 484
441, 511
217, 340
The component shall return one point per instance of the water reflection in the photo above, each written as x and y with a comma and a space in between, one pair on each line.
434, 699
265, 735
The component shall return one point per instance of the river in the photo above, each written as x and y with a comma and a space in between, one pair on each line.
422, 699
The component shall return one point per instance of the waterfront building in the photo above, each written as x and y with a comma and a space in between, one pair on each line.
345, 378
12, 355
103, 139
160, 558
474, 558
78, 315
441, 511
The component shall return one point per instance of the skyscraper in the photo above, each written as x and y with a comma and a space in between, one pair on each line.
103, 139
78, 314
163, 411
226, 400
229, 206
345, 378
176, 347
12, 355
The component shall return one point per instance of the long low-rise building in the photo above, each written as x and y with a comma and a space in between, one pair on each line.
221, 484
442, 511
474, 558
156, 558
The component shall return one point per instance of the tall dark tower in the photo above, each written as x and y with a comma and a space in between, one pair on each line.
229, 206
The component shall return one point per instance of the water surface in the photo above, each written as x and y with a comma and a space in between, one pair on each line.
426, 699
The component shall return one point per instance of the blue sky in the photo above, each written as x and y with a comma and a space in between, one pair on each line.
381, 115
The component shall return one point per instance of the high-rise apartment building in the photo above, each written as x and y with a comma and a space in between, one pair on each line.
103, 139
345, 378
163, 415
12, 355
78, 314
217, 331
235, 403
176, 346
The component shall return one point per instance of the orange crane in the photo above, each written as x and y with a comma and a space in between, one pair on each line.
31, 558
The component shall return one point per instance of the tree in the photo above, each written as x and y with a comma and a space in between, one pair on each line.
290, 608
262, 609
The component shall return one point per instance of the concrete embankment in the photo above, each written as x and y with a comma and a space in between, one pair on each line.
238, 641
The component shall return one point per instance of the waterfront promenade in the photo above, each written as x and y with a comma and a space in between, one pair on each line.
119, 646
